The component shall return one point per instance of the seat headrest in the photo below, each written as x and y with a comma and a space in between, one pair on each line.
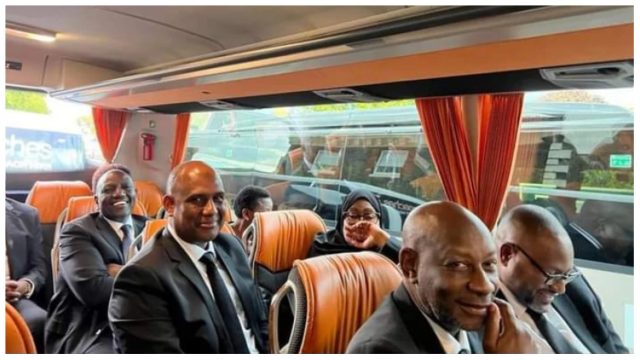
149, 195
51, 197
151, 228
334, 296
277, 238
82, 205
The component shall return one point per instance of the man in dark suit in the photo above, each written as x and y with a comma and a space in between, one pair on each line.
25, 262
449, 267
190, 289
546, 291
93, 248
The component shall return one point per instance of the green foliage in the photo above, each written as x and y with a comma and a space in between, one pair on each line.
608, 179
361, 106
29, 101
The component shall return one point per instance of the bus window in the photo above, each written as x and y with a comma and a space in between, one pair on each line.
576, 158
323, 153
47, 137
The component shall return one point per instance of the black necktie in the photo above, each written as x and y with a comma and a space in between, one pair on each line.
127, 239
225, 305
556, 340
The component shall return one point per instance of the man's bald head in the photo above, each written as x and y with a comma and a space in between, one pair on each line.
530, 225
187, 171
436, 221
448, 260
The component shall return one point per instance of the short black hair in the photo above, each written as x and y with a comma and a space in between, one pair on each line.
248, 198
105, 168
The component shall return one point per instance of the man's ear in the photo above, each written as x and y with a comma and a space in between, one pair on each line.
409, 264
168, 202
506, 252
246, 214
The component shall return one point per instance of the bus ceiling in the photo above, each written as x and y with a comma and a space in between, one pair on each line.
372, 52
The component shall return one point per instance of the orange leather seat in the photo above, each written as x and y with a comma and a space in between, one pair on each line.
51, 198
78, 206
333, 296
275, 239
150, 196
18, 339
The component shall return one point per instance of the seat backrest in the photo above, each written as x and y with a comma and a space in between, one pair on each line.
333, 296
18, 338
50, 198
275, 239
150, 196
78, 206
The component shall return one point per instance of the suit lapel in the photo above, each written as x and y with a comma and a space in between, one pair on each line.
572, 317
421, 332
186, 267
107, 232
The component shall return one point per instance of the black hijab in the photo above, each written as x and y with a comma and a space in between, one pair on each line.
348, 201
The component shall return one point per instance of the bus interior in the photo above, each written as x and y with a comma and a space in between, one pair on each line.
312, 102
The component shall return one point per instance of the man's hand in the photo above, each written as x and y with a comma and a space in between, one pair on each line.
15, 290
505, 334
113, 269
365, 235
11, 291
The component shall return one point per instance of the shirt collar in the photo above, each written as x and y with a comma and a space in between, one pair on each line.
116, 225
451, 344
194, 251
518, 308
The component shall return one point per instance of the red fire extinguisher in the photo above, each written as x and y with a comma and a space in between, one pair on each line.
147, 146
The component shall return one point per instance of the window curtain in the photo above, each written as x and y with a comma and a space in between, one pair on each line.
473, 143
109, 125
180, 140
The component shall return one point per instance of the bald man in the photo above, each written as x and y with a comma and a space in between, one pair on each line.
540, 281
449, 267
190, 289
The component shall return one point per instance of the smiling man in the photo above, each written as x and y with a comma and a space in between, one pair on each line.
450, 275
190, 289
93, 248
539, 280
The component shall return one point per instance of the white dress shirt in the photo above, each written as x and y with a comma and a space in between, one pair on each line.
451, 344
195, 252
117, 227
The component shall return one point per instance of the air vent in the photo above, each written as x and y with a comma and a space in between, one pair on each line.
606, 75
223, 105
347, 95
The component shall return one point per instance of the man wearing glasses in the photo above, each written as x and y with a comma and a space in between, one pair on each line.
540, 281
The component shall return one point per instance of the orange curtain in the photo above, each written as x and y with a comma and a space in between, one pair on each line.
109, 127
477, 178
180, 140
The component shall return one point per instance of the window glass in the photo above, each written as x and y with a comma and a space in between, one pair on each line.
43, 134
575, 158
310, 157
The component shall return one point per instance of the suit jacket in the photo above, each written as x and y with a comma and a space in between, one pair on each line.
23, 237
160, 303
398, 327
77, 314
581, 308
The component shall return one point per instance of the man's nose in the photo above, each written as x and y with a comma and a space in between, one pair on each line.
210, 208
482, 283
558, 287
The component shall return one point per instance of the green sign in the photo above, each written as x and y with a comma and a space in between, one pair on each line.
620, 161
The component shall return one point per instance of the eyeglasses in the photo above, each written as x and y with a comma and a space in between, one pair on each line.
353, 217
567, 277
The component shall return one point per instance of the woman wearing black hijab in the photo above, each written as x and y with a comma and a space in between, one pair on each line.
358, 228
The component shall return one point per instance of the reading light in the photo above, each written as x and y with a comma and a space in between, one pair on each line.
29, 32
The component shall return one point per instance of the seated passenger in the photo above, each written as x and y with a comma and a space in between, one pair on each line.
250, 200
449, 267
357, 229
546, 291
93, 248
190, 289
25, 265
